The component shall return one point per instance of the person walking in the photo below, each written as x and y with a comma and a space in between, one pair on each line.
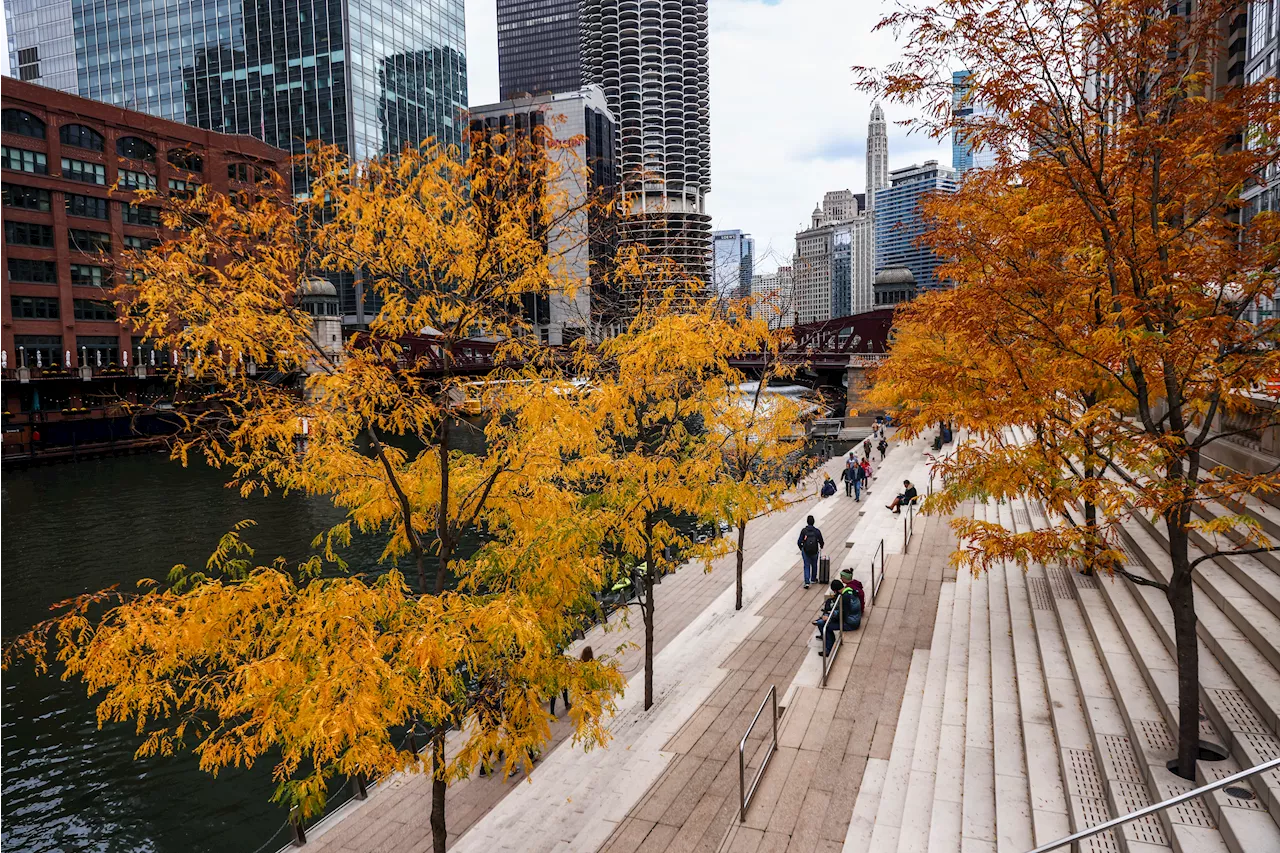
847, 475
810, 544
857, 476
866, 448
586, 657
882, 447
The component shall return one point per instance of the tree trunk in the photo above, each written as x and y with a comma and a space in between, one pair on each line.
1181, 597
647, 606
443, 532
742, 535
1090, 531
439, 788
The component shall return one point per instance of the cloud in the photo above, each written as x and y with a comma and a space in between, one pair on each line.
787, 123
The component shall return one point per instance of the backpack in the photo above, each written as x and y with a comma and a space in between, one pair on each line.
809, 541
856, 586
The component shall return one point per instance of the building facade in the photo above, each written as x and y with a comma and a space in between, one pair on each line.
833, 260
579, 245
731, 268
367, 75
964, 154
650, 58
877, 156
71, 168
773, 297
538, 47
899, 220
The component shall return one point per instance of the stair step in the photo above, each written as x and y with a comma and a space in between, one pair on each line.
945, 822
1014, 826
861, 826
978, 804
1214, 509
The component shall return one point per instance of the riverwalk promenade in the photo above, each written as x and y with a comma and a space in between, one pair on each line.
672, 771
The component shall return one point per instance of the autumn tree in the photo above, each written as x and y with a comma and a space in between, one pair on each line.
246, 658
1107, 272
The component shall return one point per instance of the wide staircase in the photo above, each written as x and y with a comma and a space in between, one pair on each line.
1047, 704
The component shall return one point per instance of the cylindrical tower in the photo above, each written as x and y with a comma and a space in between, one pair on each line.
650, 58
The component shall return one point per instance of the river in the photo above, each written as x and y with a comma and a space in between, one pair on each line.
75, 528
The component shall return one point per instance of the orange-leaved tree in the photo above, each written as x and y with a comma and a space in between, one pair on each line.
1109, 279
243, 660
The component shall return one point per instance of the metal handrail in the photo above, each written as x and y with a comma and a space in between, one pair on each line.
1156, 807
828, 657
908, 526
743, 794
875, 584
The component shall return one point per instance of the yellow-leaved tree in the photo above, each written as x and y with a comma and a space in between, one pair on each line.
243, 660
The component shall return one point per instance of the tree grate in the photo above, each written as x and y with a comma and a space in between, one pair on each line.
1038, 588
1130, 797
1237, 711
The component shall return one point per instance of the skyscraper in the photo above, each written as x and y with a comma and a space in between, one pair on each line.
964, 154
367, 75
772, 293
650, 57
900, 220
538, 47
877, 156
833, 260
732, 265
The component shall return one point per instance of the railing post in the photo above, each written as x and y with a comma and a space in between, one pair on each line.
299, 833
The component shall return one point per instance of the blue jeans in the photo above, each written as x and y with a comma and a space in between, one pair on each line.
830, 627
810, 567
857, 490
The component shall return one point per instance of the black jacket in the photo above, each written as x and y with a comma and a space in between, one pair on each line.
809, 527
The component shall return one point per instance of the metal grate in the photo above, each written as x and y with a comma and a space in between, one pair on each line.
1238, 796
1093, 811
1130, 558
1062, 587
1038, 588
1082, 775
1037, 510
1192, 812
1155, 735
1131, 796
1120, 762
1237, 711
1085, 581
1020, 518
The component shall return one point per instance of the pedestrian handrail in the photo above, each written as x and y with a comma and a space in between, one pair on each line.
908, 526
877, 558
744, 796
1157, 807
837, 613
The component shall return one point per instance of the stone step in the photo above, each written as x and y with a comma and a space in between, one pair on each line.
978, 830
893, 794
1214, 509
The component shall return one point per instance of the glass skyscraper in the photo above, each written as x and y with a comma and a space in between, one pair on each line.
367, 75
538, 47
900, 220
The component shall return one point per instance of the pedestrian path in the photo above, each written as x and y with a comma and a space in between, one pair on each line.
394, 816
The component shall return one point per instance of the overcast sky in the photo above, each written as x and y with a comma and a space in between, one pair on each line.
786, 122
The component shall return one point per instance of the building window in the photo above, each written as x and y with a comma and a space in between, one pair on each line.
245, 173
27, 198
25, 161
95, 311
79, 136
29, 63
130, 180
33, 272
86, 173
88, 275
88, 241
187, 160
49, 347
34, 307
140, 244
98, 349
28, 234
134, 148
22, 123
90, 207
135, 215
182, 189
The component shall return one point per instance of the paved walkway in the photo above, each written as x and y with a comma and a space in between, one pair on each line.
394, 818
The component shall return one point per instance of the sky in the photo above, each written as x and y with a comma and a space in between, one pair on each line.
787, 124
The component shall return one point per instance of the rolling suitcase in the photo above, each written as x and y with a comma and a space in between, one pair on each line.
824, 569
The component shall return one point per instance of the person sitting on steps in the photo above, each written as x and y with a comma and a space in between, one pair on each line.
907, 497
845, 602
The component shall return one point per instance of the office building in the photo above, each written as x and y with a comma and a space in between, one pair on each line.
877, 156
731, 266
965, 154
538, 47
899, 220
367, 75
833, 260
583, 125
71, 170
650, 58
773, 297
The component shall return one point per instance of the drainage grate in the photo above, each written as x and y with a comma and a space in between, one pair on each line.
1192, 812
1155, 734
1062, 587
1237, 711
1085, 581
1239, 796
1120, 762
1037, 510
1039, 590
1093, 811
1082, 775
1130, 558
1130, 797
1020, 518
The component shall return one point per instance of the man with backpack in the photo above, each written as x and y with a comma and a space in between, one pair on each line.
882, 447
810, 544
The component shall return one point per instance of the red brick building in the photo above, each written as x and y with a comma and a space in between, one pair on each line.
66, 228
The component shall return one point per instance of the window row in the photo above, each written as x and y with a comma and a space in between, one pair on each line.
24, 123
46, 350
47, 308
22, 160
29, 271
89, 207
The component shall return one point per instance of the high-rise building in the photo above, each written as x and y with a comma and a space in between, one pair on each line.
833, 260
584, 128
731, 267
877, 156
538, 47
900, 220
773, 294
650, 57
367, 75
964, 154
